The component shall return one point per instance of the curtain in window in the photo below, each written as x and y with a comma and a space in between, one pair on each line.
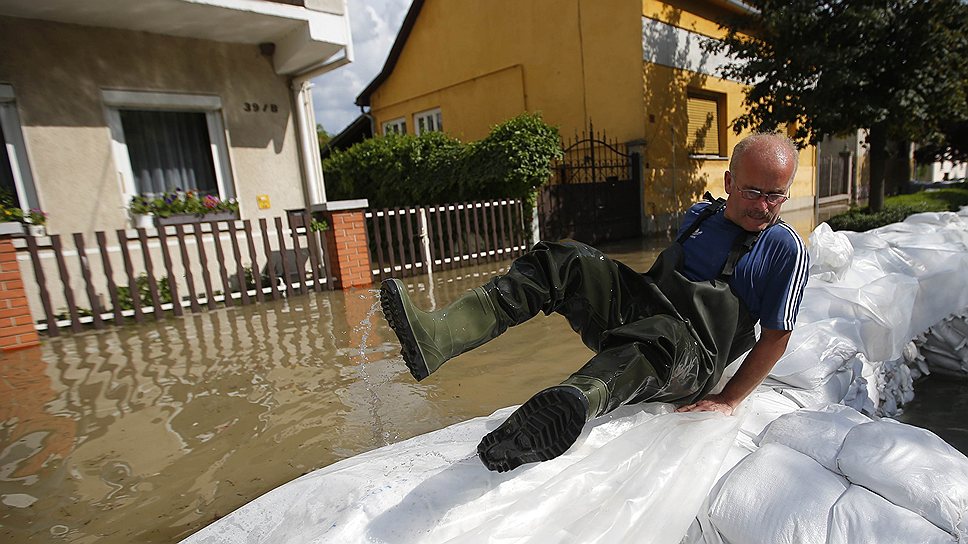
8, 188
169, 150
703, 134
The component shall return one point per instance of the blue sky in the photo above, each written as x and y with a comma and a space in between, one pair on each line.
374, 25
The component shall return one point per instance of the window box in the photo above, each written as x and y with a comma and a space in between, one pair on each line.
11, 227
183, 219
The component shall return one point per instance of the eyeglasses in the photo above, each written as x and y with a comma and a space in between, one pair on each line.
771, 198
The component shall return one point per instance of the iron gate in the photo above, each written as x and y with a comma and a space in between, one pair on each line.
594, 193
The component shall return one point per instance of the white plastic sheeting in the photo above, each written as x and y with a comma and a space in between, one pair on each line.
639, 474
775, 473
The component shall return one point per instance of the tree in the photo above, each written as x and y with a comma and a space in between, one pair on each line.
898, 68
323, 136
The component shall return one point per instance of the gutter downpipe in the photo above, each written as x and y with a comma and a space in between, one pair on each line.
306, 125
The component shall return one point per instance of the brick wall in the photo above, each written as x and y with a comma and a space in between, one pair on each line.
348, 250
16, 325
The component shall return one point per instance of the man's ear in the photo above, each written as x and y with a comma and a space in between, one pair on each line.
728, 182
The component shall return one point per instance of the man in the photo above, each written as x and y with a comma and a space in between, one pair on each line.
662, 336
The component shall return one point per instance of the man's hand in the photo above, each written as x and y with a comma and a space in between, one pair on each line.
755, 368
712, 403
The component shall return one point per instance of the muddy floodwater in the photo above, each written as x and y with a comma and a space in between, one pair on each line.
150, 432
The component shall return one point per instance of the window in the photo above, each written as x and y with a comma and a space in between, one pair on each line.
428, 121
166, 141
396, 126
705, 124
16, 180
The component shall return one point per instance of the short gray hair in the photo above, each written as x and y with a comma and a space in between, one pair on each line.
783, 144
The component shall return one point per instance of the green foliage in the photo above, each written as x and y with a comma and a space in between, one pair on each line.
433, 168
180, 203
897, 208
322, 136
318, 225
9, 210
898, 68
144, 292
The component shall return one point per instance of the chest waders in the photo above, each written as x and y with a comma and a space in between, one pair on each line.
657, 336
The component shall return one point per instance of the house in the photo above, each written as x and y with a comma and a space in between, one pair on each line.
102, 100
633, 69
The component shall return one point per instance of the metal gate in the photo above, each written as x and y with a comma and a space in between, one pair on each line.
594, 193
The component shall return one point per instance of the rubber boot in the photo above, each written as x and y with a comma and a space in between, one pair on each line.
545, 426
428, 339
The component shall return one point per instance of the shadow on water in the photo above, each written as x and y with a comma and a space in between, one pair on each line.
150, 432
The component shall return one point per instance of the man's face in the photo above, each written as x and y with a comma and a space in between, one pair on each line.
751, 190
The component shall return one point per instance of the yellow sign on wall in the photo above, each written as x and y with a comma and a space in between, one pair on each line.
263, 201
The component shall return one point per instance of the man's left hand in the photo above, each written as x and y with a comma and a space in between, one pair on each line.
712, 403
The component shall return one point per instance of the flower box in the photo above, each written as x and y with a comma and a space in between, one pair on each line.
182, 219
11, 227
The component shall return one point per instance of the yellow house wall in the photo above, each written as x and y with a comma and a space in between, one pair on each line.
462, 56
576, 62
673, 180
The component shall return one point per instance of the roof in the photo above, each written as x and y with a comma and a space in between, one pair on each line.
358, 130
303, 37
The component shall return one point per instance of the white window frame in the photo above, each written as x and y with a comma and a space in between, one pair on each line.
211, 106
27, 196
395, 126
429, 117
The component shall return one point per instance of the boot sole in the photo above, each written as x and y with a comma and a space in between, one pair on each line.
396, 315
541, 429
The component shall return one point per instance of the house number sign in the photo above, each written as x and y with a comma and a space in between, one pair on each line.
255, 107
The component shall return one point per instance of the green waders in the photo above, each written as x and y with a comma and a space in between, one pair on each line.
657, 337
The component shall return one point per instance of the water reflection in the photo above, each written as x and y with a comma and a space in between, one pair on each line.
148, 433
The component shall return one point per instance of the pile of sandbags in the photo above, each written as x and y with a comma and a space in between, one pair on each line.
869, 294
835, 476
944, 347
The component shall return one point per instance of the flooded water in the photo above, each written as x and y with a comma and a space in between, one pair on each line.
148, 433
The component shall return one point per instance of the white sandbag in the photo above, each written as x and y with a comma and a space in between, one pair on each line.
882, 309
862, 517
830, 253
776, 495
764, 405
639, 474
833, 390
816, 350
815, 433
912, 468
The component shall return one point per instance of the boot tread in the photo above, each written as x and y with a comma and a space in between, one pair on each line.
543, 428
396, 315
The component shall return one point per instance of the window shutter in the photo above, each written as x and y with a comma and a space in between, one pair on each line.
703, 130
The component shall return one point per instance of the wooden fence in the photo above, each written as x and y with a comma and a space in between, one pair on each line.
231, 264
413, 240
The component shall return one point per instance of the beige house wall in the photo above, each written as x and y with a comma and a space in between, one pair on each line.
58, 72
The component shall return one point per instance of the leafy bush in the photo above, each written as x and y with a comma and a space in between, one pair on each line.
433, 168
897, 208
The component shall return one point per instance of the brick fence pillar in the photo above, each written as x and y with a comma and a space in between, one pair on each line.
346, 242
16, 324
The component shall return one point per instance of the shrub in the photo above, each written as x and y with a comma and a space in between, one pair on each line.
897, 208
433, 168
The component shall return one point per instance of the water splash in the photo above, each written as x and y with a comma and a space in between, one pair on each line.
365, 328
